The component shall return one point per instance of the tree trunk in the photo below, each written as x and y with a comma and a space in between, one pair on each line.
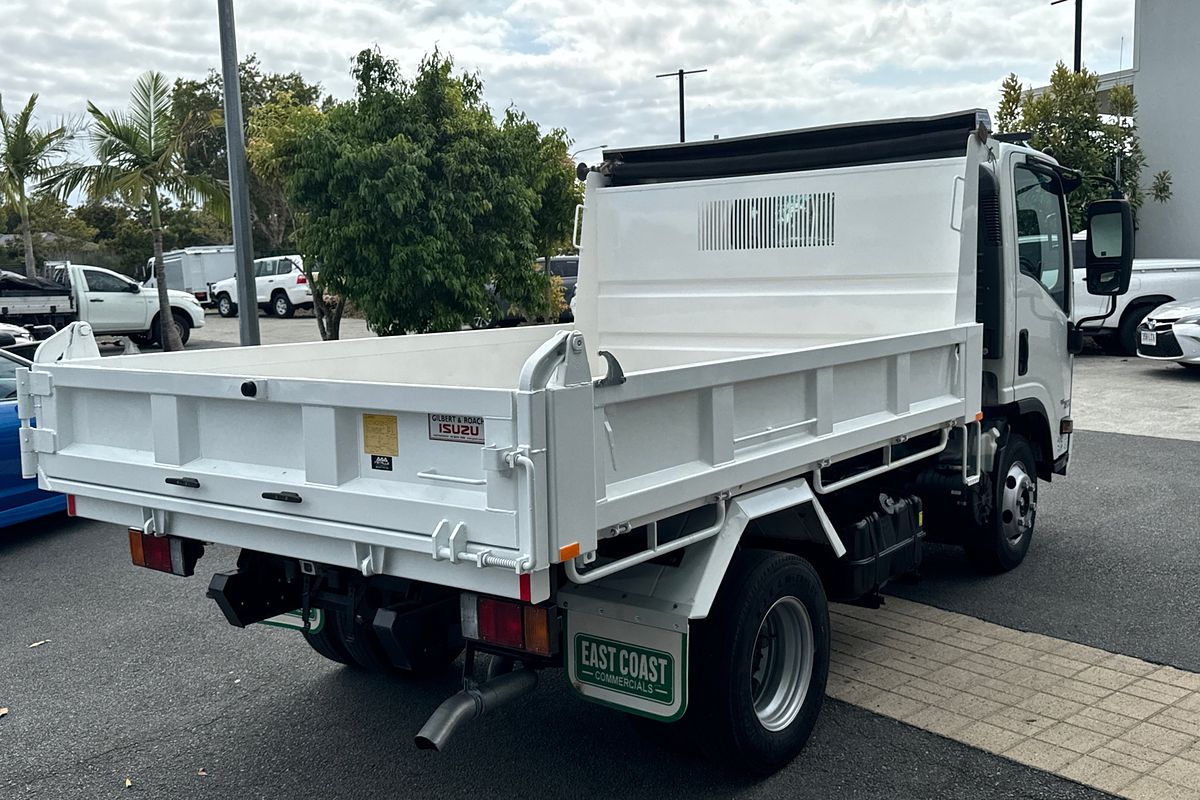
335, 322
329, 316
27, 236
168, 335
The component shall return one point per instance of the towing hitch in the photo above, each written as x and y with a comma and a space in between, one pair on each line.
472, 703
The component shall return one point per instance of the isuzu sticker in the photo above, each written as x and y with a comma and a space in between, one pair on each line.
456, 428
624, 668
379, 435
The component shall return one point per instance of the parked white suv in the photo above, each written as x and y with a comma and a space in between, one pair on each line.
281, 285
1172, 333
1155, 281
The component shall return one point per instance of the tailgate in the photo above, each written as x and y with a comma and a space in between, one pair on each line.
404, 474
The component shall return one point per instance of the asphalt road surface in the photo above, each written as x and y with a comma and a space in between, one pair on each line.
141, 678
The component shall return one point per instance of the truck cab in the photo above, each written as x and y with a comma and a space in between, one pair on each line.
1025, 295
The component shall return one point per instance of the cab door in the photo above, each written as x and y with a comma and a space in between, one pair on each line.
112, 303
1043, 294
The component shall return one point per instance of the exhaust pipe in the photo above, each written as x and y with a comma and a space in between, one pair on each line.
456, 710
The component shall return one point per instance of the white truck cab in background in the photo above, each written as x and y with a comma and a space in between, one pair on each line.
195, 269
794, 356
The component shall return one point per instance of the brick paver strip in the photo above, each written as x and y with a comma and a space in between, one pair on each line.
1117, 723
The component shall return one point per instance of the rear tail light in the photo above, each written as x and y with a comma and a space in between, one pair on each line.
164, 553
509, 624
301, 279
202, 296
70, 505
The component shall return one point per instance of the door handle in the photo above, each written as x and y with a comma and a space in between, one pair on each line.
96, 300
284, 497
190, 483
1023, 352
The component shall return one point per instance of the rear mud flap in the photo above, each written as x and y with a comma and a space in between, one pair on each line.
631, 666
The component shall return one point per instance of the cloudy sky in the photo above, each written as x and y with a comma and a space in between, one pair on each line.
588, 67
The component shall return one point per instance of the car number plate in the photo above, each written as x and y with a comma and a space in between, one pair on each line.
1150, 338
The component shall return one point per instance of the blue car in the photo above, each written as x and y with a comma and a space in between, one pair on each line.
20, 498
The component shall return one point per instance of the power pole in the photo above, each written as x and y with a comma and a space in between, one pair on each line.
679, 74
239, 187
1078, 32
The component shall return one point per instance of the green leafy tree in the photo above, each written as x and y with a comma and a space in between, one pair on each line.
28, 154
271, 217
414, 200
551, 174
1066, 120
141, 156
274, 127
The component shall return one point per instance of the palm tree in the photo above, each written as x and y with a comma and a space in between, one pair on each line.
140, 154
27, 153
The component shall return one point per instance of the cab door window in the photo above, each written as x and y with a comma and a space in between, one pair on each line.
103, 282
1042, 236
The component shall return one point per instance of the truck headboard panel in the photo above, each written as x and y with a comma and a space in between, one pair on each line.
694, 271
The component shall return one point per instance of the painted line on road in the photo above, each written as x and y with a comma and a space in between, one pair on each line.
1119, 724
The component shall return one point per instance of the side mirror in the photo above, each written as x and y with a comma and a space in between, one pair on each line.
1109, 247
133, 287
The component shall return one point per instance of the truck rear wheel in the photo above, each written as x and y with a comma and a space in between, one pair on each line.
359, 642
327, 641
1000, 544
759, 663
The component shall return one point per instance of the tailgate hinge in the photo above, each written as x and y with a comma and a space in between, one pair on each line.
30, 385
38, 440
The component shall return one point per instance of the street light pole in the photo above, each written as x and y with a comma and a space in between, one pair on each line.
1078, 32
679, 74
587, 150
239, 191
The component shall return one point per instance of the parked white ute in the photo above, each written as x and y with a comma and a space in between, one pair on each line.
114, 305
1171, 332
281, 286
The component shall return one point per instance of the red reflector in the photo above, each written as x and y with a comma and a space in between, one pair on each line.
70, 505
501, 623
157, 552
525, 584
301, 279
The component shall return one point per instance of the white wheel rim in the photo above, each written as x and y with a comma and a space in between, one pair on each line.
783, 663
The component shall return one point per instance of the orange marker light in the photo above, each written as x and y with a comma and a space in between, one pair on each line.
537, 630
567, 552
135, 547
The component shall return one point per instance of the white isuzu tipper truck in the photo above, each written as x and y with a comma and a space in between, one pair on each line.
792, 355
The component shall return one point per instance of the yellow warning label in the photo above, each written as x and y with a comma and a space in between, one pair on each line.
379, 435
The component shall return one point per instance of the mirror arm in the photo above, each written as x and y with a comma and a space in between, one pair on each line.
1112, 307
1115, 194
